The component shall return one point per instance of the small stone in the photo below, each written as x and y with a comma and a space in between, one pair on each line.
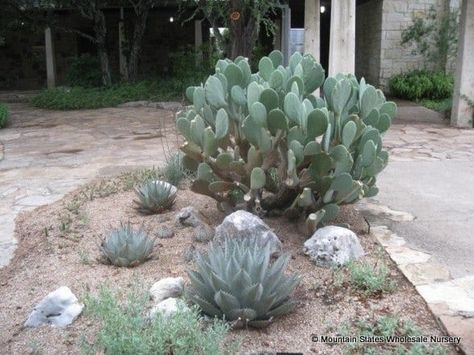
189, 217
333, 246
166, 288
59, 309
243, 224
167, 308
204, 233
164, 232
142, 103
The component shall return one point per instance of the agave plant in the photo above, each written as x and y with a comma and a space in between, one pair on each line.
236, 281
126, 246
155, 196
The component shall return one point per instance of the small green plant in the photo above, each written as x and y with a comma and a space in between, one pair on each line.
65, 223
138, 177
155, 196
124, 329
370, 279
84, 257
3, 115
236, 281
126, 246
386, 328
173, 171
421, 84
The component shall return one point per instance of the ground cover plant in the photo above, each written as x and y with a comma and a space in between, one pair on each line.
75, 98
3, 115
125, 329
430, 88
266, 136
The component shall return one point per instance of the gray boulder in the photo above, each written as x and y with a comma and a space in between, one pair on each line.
333, 246
189, 217
243, 224
59, 309
167, 288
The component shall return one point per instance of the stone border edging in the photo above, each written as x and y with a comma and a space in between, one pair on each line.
450, 300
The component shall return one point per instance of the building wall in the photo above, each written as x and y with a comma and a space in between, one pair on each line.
368, 40
379, 27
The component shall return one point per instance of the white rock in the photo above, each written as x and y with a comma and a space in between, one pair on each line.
167, 308
333, 246
243, 224
59, 308
166, 288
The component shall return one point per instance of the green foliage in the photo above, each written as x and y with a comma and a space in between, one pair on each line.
85, 72
173, 171
443, 105
422, 84
155, 196
126, 246
189, 65
124, 329
385, 327
435, 36
77, 98
236, 281
370, 279
3, 115
267, 135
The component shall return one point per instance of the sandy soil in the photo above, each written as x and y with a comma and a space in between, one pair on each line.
58, 245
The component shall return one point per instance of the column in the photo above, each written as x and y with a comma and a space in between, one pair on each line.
50, 61
285, 33
312, 25
198, 40
342, 37
462, 112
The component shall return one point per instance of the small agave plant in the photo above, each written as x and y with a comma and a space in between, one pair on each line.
155, 196
236, 281
126, 246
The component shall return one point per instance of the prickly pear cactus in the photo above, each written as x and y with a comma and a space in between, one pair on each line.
264, 142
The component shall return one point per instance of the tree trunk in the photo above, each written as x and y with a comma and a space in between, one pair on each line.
138, 33
100, 30
244, 31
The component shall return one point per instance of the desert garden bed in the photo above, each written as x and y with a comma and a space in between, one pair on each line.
59, 245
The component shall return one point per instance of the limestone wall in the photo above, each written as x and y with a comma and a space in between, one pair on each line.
368, 40
379, 27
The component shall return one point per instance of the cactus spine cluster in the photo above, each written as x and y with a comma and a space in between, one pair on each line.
265, 142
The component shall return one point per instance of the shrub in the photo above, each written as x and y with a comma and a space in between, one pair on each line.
85, 72
124, 329
421, 84
236, 281
370, 279
125, 246
155, 196
267, 135
3, 115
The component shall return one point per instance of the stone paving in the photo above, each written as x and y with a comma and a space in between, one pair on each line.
450, 299
46, 154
